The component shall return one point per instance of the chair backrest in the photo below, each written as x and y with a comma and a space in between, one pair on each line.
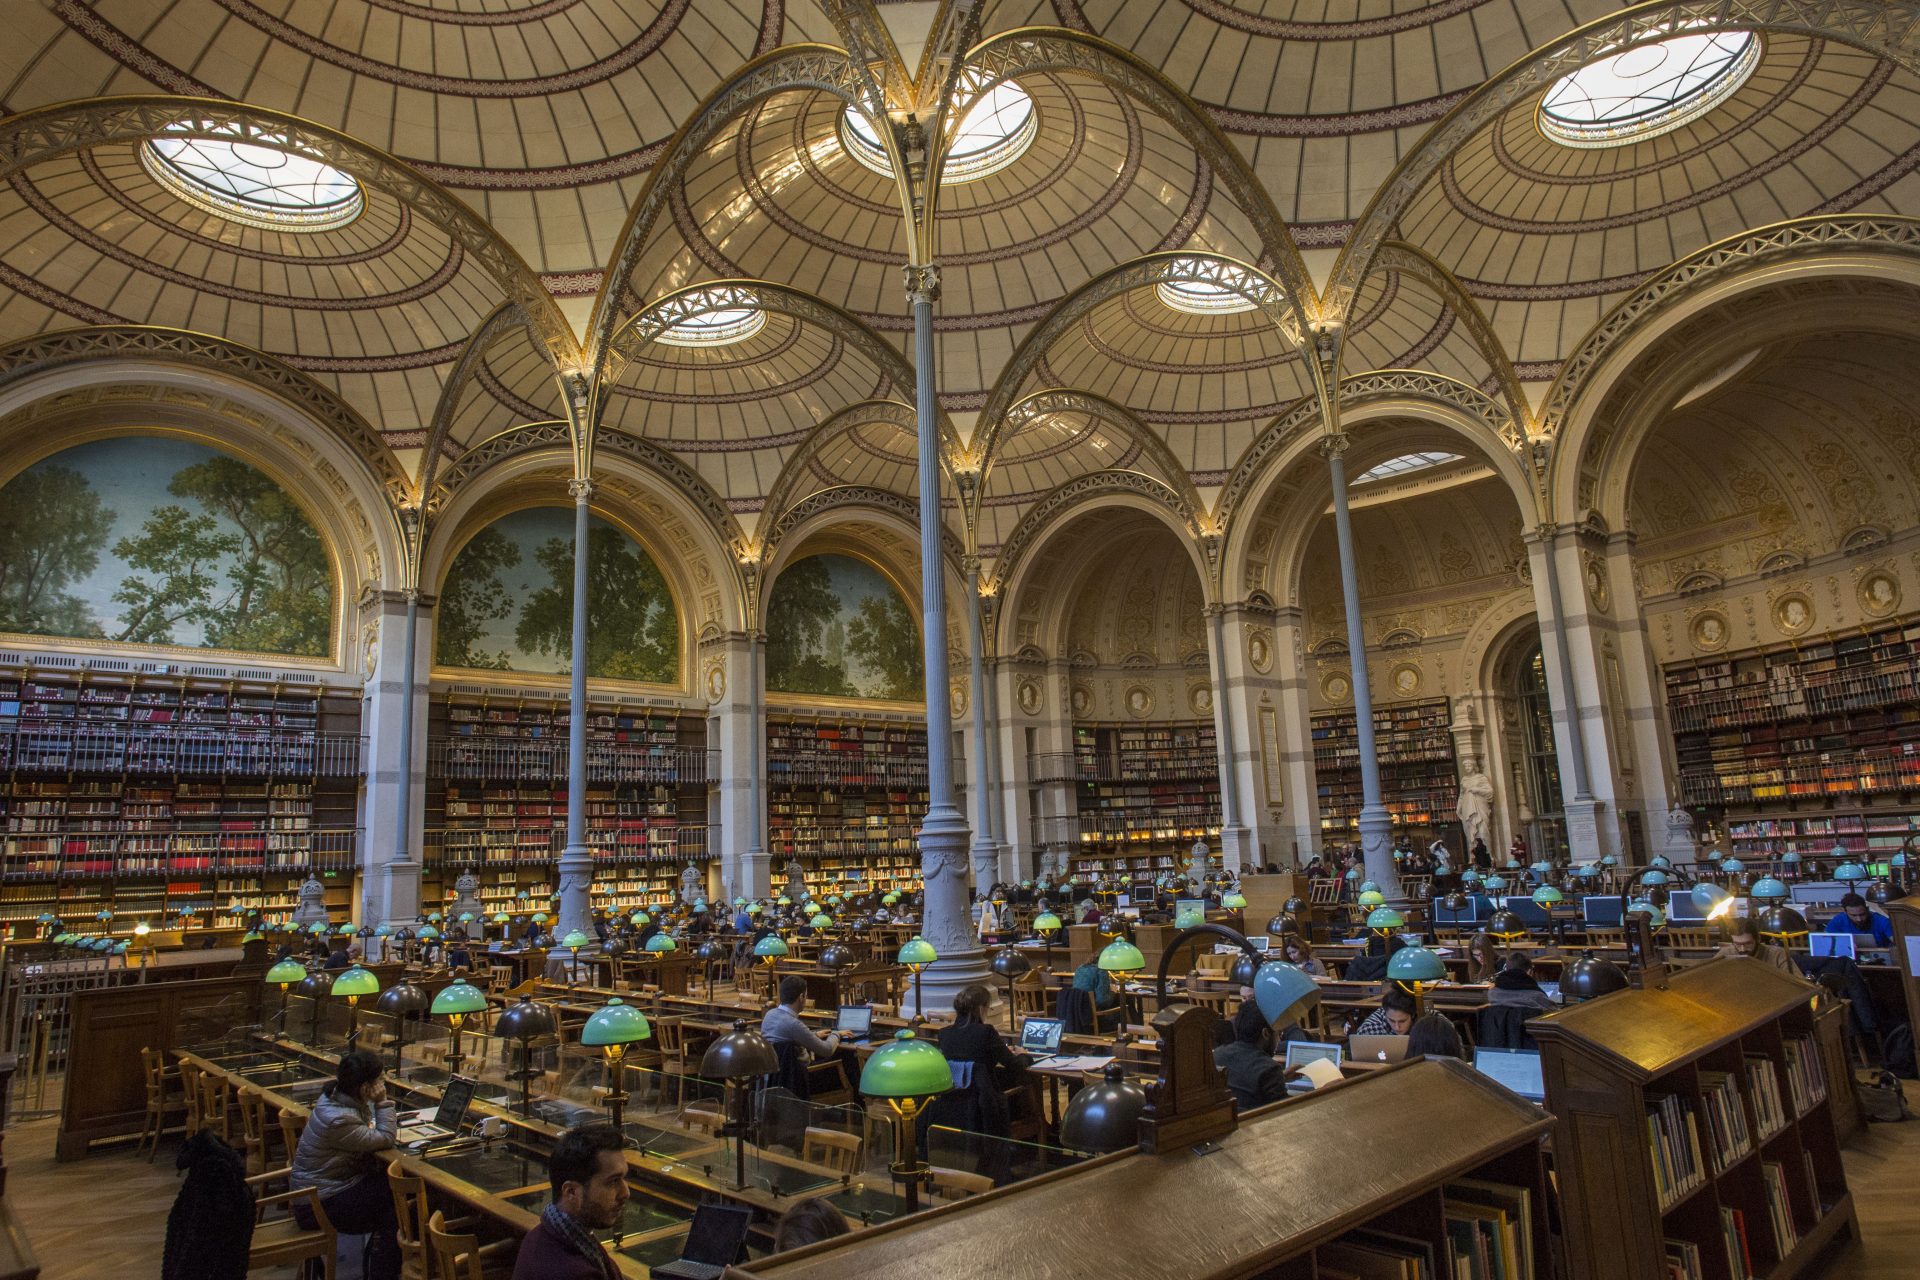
190, 1087
154, 1066
952, 1184
698, 1117
410, 1216
831, 1149
291, 1124
455, 1257
214, 1094
1030, 994
670, 1037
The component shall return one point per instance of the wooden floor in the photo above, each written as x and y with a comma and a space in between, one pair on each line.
106, 1216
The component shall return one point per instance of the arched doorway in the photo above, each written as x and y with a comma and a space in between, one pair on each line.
1535, 763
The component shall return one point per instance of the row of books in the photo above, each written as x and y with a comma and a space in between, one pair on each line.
1728, 1136
1806, 1081
1763, 1085
1673, 1140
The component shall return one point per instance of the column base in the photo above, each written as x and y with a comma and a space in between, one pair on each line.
576, 892
392, 893
1238, 849
1587, 839
1376, 847
944, 979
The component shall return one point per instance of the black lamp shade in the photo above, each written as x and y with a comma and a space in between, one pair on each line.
1105, 1116
1295, 906
1244, 969
741, 1054
1879, 892
1008, 963
527, 1020
1282, 925
711, 951
1505, 924
836, 956
314, 985
402, 999
1455, 901
1590, 977
1782, 921
615, 946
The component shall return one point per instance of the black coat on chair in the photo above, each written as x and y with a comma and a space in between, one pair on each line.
978, 1111
1504, 1026
210, 1227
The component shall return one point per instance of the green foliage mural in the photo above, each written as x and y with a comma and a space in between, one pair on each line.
154, 540
835, 625
507, 602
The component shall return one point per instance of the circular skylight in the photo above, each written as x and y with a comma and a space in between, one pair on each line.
995, 131
714, 328
1203, 297
1648, 90
255, 179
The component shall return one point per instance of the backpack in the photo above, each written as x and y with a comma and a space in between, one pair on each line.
1881, 1098
1896, 1051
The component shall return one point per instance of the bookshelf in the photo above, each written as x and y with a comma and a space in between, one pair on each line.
1696, 1121
1807, 746
1143, 794
146, 794
1375, 1208
846, 797
1419, 782
497, 795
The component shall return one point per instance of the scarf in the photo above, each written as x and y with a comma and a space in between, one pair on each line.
578, 1240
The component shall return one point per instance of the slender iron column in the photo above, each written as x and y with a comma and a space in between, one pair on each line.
985, 861
576, 860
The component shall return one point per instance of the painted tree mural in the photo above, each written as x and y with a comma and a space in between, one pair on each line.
836, 626
507, 603
154, 540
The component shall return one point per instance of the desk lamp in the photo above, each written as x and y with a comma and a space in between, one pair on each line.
1590, 977
1494, 886
1768, 889
502, 919
662, 942
1654, 881
1505, 927
1782, 924
1547, 897
1712, 901
1282, 925
639, 919
1008, 963
1732, 866
1541, 870
1104, 1117
1414, 969
284, 974
835, 957
708, 953
142, 931
1790, 860
738, 1059
611, 1029
400, 1002
1850, 871
525, 1022
906, 1074
917, 954
1656, 918
1283, 993
1384, 921
353, 983
1233, 900
1121, 961
573, 942
313, 986
456, 1001
1660, 861
1188, 917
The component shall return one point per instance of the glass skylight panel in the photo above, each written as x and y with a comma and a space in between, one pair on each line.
1405, 463
995, 131
1647, 90
255, 179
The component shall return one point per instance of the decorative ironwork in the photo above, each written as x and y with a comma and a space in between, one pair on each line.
1418, 264
852, 496
504, 318
1073, 493
1045, 404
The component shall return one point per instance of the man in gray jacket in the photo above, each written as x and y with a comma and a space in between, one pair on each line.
350, 1121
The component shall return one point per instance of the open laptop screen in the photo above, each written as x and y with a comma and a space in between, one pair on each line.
1301, 1052
1833, 944
855, 1019
1040, 1035
717, 1233
1518, 1069
1602, 910
454, 1101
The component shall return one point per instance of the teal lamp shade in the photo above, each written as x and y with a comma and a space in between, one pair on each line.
1493, 886
1660, 860
1732, 866
575, 940
906, 1068
1370, 886
1372, 898
283, 974
1511, 864
1353, 873
1385, 920
1791, 858
1542, 868
318, 928
500, 917
1587, 870
1608, 860
356, 982
1416, 964
699, 905
1654, 877
1283, 993
1046, 922
1235, 901
428, 932
1711, 900
433, 917
1655, 916
1770, 889
918, 951
834, 899
458, 997
753, 909
382, 930
1121, 956
771, 947
1850, 871
614, 1023
119, 948
661, 942
739, 902
466, 917
821, 921
639, 919
539, 917
1547, 896
1189, 918
1469, 878
346, 930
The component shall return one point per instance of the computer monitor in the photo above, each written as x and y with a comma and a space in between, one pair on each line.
454, 1101
1681, 908
1603, 910
854, 1020
1123, 900
1041, 1036
1301, 1052
1531, 913
1477, 909
1843, 945
1517, 1069
713, 1241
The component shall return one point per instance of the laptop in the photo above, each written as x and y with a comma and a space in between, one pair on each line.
713, 1242
854, 1022
1517, 1069
1041, 1036
1552, 990
446, 1118
1300, 1053
1844, 945
1602, 910
1376, 1048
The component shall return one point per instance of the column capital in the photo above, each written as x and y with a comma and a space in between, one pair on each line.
1335, 444
580, 489
1546, 531
923, 282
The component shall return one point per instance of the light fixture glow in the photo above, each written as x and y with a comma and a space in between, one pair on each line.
995, 130
257, 180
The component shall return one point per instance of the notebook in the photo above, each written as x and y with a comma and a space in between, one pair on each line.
713, 1242
854, 1021
1517, 1069
1041, 1036
454, 1101
1377, 1048
1302, 1053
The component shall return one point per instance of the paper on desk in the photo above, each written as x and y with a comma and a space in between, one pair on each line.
1094, 1063
1321, 1072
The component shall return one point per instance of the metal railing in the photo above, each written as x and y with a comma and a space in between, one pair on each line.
482, 847
1131, 766
178, 750
103, 849
516, 760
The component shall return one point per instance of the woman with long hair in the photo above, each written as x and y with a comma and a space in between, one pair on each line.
351, 1120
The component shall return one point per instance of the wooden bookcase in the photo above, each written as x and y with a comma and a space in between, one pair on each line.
1143, 794
1419, 782
845, 797
1276, 1198
147, 793
1609, 1062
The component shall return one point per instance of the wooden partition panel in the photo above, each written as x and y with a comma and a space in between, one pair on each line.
105, 1095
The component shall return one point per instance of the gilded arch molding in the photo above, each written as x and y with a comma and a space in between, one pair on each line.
1886, 28
505, 317
1416, 263
1043, 404
35, 136
785, 490
1131, 488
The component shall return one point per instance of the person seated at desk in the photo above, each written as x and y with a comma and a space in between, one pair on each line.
1295, 951
459, 954
1855, 917
808, 1222
782, 1024
1089, 912
971, 1038
1743, 939
1093, 980
1253, 1077
646, 934
1435, 1036
1372, 967
350, 1121
1514, 985
1483, 958
1394, 1017
338, 958
588, 1177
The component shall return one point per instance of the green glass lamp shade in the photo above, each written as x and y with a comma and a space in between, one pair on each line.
1121, 956
356, 982
1046, 922
318, 928
639, 919
1189, 918
1732, 866
888, 900
1283, 993
771, 945
834, 899
1370, 886
575, 940
1546, 895
755, 909
908, 1067
739, 902
1385, 920
661, 942
1371, 899
1505, 925
1655, 916
1542, 868
466, 917
821, 921
285, 973
918, 951
1235, 901
539, 917
1850, 871
499, 917
1769, 889
345, 931
250, 935
1782, 921
783, 901
1711, 899
1416, 964
1655, 876
428, 932
433, 917
1493, 886
458, 997
614, 1022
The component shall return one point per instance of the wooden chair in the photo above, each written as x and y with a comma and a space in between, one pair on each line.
697, 1116
283, 1242
670, 1043
831, 1149
455, 1257
252, 1105
161, 1105
412, 1212
952, 1184
292, 1123
215, 1095
190, 1095
1030, 996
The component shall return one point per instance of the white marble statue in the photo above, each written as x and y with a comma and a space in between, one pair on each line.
690, 885
1476, 802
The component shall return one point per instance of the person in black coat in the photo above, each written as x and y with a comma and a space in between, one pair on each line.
1372, 967
210, 1227
1253, 1077
971, 1038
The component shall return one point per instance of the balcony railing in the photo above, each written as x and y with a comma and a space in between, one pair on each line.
112, 850
179, 751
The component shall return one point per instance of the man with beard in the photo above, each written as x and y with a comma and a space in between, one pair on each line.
588, 1174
